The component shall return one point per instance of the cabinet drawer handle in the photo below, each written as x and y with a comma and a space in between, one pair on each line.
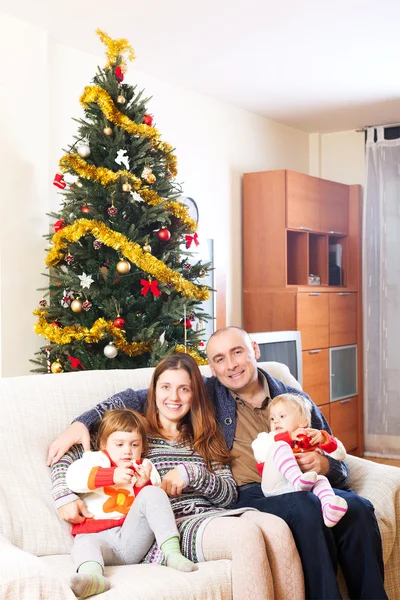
314, 351
306, 228
314, 294
336, 232
344, 293
344, 401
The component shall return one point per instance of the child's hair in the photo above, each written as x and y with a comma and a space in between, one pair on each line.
122, 419
299, 403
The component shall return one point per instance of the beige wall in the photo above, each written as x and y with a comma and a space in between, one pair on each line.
338, 156
215, 144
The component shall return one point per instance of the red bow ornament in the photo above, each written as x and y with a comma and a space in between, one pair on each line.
59, 181
192, 238
75, 363
151, 286
60, 224
119, 74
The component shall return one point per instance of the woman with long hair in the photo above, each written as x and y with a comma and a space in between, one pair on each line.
189, 451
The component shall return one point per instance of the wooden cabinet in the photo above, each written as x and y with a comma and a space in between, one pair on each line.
344, 422
294, 226
316, 374
313, 319
334, 207
342, 318
302, 202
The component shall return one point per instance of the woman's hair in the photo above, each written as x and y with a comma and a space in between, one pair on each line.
199, 426
300, 404
122, 419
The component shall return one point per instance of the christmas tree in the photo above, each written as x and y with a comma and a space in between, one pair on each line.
124, 290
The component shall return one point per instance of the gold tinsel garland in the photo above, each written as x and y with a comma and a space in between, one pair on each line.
77, 333
96, 94
115, 48
131, 250
106, 177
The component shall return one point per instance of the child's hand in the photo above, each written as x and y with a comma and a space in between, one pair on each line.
143, 472
123, 475
300, 431
314, 435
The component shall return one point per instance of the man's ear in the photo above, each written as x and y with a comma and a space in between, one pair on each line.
212, 368
256, 349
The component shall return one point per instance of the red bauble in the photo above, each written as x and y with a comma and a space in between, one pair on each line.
85, 209
60, 224
119, 322
148, 120
304, 441
55, 324
187, 323
119, 74
164, 234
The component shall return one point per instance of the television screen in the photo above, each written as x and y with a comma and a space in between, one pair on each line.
284, 352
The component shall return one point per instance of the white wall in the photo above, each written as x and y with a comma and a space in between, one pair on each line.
338, 156
24, 151
215, 144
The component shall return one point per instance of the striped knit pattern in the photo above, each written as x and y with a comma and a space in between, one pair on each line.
207, 495
174, 558
333, 507
287, 466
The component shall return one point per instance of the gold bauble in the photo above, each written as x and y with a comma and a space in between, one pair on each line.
202, 273
120, 99
107, 131
147, 248
126, 187
123, 267
76, 306
56, 367
79, 184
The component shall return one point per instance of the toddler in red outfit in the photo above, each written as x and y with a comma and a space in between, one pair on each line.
289, 418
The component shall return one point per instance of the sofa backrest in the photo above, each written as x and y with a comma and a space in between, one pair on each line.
35, 409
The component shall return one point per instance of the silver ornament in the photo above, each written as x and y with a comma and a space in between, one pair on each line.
84, 150
110, 350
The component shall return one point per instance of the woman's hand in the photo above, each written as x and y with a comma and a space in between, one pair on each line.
123, 475
172, 483
77, 433
74, 512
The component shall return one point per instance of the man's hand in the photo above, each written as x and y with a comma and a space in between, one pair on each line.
173, 483
123, 475
77, 433
312, 461
74, 512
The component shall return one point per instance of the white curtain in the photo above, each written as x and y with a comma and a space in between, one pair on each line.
381, 278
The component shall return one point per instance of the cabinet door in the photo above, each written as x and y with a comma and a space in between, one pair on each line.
313, 319
302, 202
334, 203
326, 411
344, 422
316, 375
342, 318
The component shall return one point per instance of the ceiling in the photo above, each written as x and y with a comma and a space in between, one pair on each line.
311, 64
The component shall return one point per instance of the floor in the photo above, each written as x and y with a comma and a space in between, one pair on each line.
386, 461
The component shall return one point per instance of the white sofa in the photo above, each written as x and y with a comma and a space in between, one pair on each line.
35, 544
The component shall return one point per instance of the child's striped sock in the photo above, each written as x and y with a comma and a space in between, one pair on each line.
89, 580
287, 466
175, 558
333, 507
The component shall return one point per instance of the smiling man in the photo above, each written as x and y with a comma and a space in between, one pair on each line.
241, 392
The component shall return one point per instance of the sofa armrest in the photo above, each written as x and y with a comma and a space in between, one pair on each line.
381, 485
25, 577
